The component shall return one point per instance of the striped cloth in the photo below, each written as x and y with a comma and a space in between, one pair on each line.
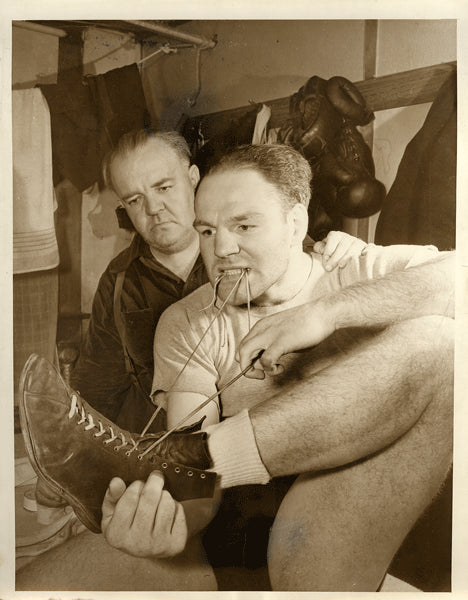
34, 241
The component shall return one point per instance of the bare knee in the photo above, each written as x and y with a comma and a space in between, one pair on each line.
315, 544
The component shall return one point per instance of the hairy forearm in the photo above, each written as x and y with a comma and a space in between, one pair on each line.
426, 289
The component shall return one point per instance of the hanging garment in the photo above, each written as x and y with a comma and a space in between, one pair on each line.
238, 132
34, 241
88, 117
260, 131
76, 143
120, 101
420, 206
272, 137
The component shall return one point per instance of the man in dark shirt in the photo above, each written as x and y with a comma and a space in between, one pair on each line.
155, 182
152, 175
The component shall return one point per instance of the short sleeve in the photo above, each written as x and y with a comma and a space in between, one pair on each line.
183, 363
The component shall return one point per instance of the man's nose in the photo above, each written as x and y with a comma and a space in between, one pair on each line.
153, 204
225, 244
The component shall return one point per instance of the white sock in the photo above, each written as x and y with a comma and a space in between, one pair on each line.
234, 452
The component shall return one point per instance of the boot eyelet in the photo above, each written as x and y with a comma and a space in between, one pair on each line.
177, 469
116, 448
190, 474
164, 465
128, 453
202, 476
140, 457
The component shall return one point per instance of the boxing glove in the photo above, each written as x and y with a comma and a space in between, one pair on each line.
348, 101
349, 168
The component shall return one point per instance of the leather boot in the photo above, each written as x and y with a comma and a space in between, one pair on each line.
77, 451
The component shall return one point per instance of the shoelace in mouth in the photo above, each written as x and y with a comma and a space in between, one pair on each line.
215, 293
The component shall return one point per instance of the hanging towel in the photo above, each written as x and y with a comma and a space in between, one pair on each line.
34, 241
260, 130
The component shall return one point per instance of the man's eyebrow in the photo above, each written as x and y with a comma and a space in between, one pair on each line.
160, 183
233, 219
201, 223
245, 216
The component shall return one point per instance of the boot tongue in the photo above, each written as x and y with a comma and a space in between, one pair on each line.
191, 428
146, 440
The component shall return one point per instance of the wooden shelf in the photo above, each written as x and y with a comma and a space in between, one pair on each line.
405, 88
381, 93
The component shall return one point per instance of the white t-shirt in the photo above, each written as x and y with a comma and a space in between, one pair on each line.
194, 318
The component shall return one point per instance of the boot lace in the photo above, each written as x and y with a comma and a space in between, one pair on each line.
77, 408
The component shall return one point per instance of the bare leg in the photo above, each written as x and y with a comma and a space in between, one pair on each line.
339, 529
88, 563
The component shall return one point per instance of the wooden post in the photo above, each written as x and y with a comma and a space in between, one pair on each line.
370, 64
68, 217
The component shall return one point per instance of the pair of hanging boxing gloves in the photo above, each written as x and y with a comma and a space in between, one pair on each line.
323, 127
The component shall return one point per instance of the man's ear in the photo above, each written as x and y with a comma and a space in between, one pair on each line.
123, 219
299, 222
194, 175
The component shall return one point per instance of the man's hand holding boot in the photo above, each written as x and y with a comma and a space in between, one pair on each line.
144, 520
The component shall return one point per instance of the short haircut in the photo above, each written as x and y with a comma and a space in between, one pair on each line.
280, 165
138, 138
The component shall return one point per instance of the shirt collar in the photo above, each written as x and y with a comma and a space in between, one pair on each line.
139, 249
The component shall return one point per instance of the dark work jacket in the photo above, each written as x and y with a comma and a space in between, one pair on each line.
100, 374
420, 207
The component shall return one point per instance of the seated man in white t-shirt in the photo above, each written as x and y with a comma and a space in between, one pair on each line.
347, 439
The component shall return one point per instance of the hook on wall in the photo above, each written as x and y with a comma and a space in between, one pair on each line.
166, 48
206, 46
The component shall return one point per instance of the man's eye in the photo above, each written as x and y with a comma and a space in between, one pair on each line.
164, 188
246, 227
206, 232
134, 200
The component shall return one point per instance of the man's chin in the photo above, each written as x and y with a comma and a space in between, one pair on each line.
236, 298
167, 244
